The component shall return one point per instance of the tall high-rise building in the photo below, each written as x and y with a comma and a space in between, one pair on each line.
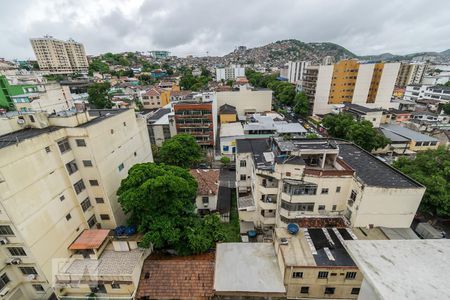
349, 81
410, 74
296, 70
59, 176
60, 57
229, 73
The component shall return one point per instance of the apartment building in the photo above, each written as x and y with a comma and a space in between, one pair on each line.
197, 117
295, 71
439, 93
229, 73
246, 100
101, 265
410, 74
60, 57
155, 98
349, 81
320, 181
161, 126
58, 176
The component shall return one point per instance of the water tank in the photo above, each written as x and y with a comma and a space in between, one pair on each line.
293, 228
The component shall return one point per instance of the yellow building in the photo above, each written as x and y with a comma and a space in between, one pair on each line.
155, 98
227, 114
58, 176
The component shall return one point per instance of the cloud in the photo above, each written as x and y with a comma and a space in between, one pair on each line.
200, 26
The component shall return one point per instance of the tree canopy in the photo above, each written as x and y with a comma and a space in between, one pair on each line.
301, 104
362, 133
160, 201
193, 83
181, 150
432, 169
98, 66
283, 91
98, 95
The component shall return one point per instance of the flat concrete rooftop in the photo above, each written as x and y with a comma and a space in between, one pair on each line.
249, 268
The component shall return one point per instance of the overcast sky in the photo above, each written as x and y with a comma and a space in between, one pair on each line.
218, 26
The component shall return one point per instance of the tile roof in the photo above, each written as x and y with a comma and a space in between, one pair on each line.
90, 239
207, 179
311, 222
189, 277
153, 92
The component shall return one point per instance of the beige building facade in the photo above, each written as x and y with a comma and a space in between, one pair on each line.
60, 57
58, 176
246, 100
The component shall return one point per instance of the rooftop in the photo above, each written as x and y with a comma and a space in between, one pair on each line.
249, 268
207, 179
158, 114
183, 277
372, 171
227, 109
408, 133
90, 239
404, 269
231, 129
360, 108
110, 263
24, 134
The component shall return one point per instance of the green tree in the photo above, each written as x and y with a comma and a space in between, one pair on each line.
229, 82
362, 133
146, 79
432, 169
312, 136
301, 104
225, 160
159, 200
181, 150
98, 66
98, 95
445, 107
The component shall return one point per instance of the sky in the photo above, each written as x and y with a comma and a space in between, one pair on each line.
216, 27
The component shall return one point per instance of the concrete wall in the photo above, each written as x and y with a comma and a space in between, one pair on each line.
387, 84
362, 85
246, 100
323, 89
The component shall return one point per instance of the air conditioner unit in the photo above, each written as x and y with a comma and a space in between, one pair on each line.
205, 204
13, 261
30, 277
4, 292
3, 241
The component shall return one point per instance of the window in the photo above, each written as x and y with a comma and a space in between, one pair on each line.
205, 200
243, 163
68, 217
322, 275
112, 131
304, 289
334, 207
300, 189
38, 287
297, 275
93, 182
28, 270
226, 148
134, 153
62, 198
355, 291
329, 290
6, 230
104, 217
87, 163
321, 207
64, 145
297, 206
80, 142
86, 204
79, 186
350, 275
4, 279
121, 167
243, 177
17, 251
92, 221
115, 285
338, 189
124, 123
71, 167
288, 174
353, 195
47, 149
324, 191
99, 200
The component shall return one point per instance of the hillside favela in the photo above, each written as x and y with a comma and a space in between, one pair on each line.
224, 150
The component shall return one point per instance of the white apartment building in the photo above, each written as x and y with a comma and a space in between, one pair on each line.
229, 73
421, 92
58, 176
296, 70
320, 183
349, 81
60, 57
